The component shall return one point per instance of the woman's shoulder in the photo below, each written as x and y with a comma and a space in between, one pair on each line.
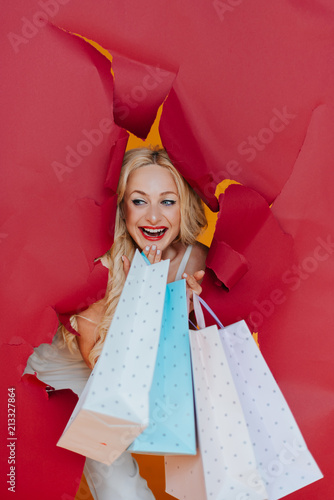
197, 258
200, 250
94, 313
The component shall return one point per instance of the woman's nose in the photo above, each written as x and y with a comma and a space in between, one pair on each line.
153, 214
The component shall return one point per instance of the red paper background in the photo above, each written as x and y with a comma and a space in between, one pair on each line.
249, 88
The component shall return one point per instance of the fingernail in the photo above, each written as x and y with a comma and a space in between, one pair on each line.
147, 249
185, 275
158, 252
122, 258
153, 247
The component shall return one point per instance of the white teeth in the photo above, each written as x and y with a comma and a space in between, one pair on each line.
156, 232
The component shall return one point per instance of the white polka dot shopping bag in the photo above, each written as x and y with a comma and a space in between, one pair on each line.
114, 406
250, 447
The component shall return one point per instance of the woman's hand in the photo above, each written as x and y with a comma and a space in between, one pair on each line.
126, 265
153, 254
193, 285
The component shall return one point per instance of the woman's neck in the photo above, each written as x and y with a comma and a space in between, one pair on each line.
173, 251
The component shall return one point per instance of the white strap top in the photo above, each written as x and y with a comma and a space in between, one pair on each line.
183, 263
87, 319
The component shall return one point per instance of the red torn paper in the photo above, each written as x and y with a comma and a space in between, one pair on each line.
249, 77
61, 158
139, 91
255, 254
297, 338
57, 133
34, 399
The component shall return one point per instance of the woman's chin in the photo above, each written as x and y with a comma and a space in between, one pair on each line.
160, 243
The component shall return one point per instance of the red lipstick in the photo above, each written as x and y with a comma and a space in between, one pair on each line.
153, 233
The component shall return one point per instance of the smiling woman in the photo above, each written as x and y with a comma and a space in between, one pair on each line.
159, 214
152, 215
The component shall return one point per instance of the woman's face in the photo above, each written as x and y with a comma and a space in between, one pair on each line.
152, 207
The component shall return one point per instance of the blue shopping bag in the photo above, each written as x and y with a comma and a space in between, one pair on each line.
171, 428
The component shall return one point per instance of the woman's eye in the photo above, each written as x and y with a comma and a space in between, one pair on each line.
138, 202
168, 202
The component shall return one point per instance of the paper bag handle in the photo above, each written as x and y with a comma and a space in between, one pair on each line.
197, 300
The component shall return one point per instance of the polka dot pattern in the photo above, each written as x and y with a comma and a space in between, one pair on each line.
114, 406
225, 445
171, 427
185, 477
250, 445
283, 459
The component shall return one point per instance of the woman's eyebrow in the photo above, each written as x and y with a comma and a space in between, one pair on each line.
168, 192
140, 192
161, 194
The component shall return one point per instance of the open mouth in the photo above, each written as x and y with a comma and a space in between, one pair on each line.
153, 233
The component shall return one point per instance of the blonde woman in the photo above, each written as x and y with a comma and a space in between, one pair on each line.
158, 213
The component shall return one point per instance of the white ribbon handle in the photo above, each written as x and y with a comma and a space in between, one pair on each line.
198, 312
197, 300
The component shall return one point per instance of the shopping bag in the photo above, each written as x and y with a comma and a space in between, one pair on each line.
171, 428
283, 462
114, 406
185, 477
224, 441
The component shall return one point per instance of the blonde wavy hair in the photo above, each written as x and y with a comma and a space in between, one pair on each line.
193, 221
